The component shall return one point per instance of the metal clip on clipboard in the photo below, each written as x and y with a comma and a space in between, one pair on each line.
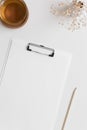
40, 49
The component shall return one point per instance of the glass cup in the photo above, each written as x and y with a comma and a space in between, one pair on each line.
13, 13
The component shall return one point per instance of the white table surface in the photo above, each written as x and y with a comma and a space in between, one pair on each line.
42, 27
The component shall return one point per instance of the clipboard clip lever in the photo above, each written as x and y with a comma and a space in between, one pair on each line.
40, 49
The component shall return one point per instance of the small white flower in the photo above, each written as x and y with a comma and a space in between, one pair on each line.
74, 12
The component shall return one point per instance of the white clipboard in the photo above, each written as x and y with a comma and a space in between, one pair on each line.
32, 85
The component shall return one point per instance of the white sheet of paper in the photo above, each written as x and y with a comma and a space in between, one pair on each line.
31, 88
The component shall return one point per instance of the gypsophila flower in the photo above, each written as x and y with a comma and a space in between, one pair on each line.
71, 14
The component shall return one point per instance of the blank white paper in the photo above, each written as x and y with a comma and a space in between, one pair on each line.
31, 88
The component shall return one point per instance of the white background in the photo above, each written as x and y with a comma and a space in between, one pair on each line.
42, 27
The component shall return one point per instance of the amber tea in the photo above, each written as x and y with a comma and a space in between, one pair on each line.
14, 13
